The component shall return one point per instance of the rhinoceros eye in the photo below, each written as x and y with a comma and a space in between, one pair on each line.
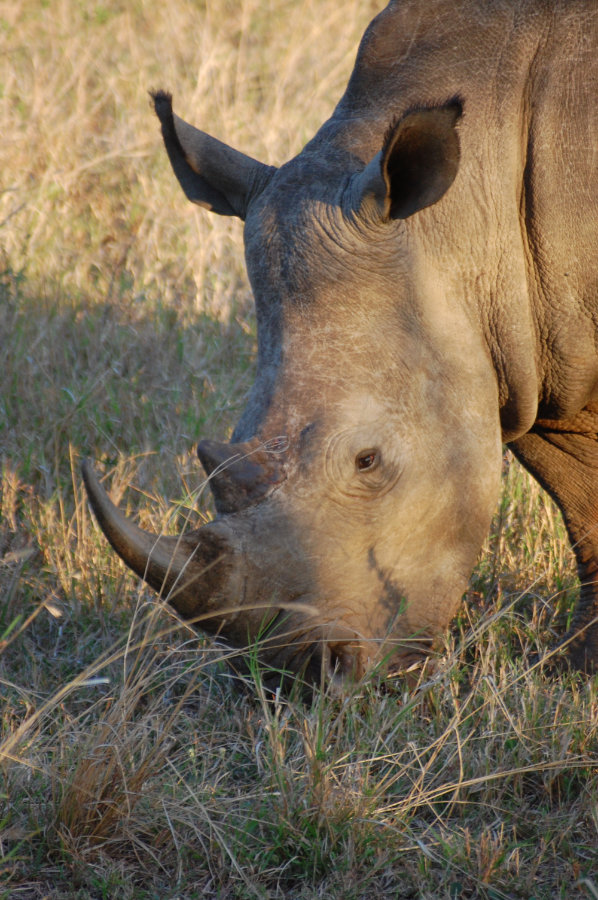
367, 459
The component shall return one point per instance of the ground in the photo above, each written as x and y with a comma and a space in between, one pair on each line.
133, 764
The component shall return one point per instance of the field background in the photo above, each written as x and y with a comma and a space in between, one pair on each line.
130, 765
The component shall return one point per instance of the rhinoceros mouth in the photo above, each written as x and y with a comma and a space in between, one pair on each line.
298, 643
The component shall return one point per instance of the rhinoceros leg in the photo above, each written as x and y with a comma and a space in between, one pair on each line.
563, 456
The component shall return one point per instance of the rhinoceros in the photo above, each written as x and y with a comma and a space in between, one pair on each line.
425, 274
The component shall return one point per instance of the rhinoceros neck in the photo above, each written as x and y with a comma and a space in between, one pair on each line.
513, 203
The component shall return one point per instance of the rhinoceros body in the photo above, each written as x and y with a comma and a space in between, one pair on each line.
425, 274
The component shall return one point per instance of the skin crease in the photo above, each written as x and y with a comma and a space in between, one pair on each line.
423, 292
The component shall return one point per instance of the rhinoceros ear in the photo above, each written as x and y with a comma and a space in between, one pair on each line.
417, 165
211, 173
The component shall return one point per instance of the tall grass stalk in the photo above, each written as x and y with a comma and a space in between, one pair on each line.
133, 763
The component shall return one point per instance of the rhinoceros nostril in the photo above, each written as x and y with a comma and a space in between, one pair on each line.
326, 666
344, 664
345, 659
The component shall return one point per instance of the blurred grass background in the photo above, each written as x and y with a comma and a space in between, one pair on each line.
131, 766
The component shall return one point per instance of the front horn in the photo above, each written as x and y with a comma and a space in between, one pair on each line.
198, 572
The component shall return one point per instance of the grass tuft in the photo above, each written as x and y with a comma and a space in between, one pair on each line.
132, 764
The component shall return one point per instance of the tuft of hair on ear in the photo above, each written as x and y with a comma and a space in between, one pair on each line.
162, 104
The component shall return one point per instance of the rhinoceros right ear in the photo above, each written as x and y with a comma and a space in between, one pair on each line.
211, 173
417, 165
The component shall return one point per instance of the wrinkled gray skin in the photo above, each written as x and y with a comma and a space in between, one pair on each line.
426, 288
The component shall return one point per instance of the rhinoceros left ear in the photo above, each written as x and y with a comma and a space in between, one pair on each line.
211, 173
416, 166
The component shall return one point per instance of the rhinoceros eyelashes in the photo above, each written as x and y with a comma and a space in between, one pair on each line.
367, 460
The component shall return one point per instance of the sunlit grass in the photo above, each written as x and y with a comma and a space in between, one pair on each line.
133, 763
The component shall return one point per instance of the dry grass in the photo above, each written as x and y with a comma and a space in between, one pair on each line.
131, 764
87, 201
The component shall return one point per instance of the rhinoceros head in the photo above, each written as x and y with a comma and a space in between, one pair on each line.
362, 476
